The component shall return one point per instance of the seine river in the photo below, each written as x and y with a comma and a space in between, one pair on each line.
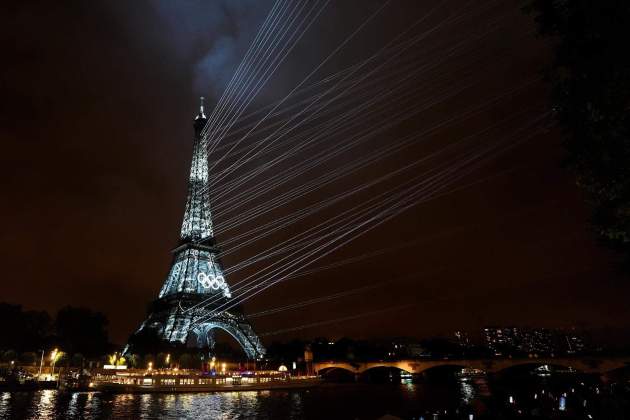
453, 399
342, 401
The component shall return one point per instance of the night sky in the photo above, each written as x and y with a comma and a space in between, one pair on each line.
98, 100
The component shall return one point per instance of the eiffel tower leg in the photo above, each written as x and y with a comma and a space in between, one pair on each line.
239, 329
202, 339
211, 339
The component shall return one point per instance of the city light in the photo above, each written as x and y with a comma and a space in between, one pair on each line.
55, 355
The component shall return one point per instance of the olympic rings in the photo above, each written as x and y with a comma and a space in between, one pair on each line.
210, 281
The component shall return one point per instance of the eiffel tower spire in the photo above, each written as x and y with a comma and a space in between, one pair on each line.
196, 267
197, 224
195, 286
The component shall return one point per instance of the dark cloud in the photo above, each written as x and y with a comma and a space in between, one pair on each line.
214, 35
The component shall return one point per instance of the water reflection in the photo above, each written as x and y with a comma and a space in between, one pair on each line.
46, 405
4, 402
467, 391
454, 398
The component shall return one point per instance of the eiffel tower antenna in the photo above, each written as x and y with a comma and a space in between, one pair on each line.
201, 108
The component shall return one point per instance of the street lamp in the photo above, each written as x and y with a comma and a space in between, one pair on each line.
150, 366
41, 364
53, 359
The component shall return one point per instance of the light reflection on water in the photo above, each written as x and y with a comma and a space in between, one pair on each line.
4, 402
46, 403
343, 401
453, 399
467, 391
50, 404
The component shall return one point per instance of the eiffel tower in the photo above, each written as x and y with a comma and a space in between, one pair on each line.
184, 313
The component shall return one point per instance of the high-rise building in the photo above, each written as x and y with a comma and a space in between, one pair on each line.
508, 340
500, 339
195, 298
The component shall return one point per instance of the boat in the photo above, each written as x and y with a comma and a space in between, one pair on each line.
467, 374
193, 381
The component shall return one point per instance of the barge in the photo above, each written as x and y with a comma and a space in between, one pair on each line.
173, 382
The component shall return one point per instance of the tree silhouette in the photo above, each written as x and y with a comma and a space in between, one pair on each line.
81, 330
23, 330
590, 77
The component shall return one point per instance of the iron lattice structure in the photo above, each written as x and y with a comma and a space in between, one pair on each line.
185, 312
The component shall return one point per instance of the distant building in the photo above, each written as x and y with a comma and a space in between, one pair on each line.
462, 339
406, 348
575, 342
504, 341
500, 340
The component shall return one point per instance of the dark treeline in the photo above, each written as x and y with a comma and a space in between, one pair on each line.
367, 350
590, 78
75, 331
149, 349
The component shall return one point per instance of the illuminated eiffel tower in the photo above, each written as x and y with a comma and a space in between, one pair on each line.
184, 313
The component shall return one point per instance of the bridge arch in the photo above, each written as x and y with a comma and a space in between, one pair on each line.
332, 368
372, 366
327, 367
338, 374
382, 373
532, 365
436, 367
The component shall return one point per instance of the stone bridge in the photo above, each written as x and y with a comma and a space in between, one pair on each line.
583, 364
